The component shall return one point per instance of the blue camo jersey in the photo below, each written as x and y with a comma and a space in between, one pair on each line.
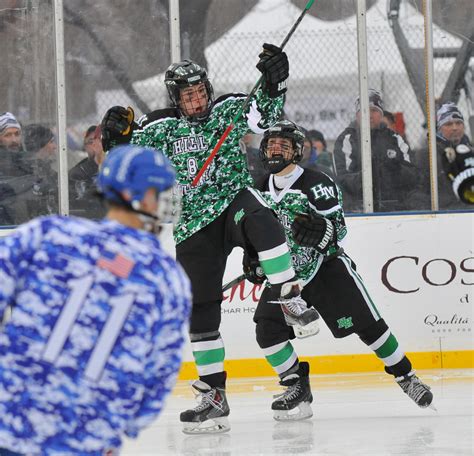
94, 341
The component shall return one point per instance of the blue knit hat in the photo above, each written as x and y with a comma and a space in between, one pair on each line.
447, 113
8, 120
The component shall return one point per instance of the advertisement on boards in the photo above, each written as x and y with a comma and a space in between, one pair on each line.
419, 271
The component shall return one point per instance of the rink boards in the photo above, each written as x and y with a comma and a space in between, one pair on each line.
419, 271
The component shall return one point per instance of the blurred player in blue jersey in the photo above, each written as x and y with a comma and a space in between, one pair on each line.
99, 316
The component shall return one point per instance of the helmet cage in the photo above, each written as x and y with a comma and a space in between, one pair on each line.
187, 74
288, 130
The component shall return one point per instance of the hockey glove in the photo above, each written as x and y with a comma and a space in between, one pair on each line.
117, 126
459, 163
273, 65
313, 231
252, 270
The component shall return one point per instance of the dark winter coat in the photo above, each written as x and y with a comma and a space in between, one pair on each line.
395, 178
83, 200
446, 196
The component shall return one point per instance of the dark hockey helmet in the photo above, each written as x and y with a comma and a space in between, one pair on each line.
186, 74
282, 129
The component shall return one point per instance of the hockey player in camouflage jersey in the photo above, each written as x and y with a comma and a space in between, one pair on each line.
221, 212
309, 205
99, 317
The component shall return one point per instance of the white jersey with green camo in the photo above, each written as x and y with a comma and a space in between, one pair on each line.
188, 145
306, 191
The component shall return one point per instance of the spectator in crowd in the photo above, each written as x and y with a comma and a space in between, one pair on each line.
40, 144
315, 154
13, 168
309, 152
389, 120
396, 123
82, 188
395, 178
10, 133
254, 163
455, 161
323, 157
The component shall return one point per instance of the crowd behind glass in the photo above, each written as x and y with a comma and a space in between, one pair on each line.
401, 175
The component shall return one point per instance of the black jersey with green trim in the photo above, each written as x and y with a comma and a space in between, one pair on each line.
188, 145
306, 191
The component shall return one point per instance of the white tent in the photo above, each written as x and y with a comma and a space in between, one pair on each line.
323, 62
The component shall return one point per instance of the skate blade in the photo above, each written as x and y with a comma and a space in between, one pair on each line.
311, 329
432, 407
213, 426
302, 412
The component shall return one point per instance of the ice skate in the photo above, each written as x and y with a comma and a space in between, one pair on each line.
295, 403
416, 390
297, 314
210, 415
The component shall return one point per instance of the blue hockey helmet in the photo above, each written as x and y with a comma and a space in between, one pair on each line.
135, 169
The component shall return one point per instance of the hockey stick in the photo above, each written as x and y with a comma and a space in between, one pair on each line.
232, 283
246, 102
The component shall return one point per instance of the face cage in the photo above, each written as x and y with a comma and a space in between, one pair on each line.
168, 211
297, 149
174, 89
169, 206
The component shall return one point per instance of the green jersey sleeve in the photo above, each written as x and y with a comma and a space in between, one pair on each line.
188, 145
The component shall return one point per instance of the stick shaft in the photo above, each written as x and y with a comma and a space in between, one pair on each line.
232, 283
246, 102
213, 154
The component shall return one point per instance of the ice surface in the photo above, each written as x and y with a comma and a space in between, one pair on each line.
354, 414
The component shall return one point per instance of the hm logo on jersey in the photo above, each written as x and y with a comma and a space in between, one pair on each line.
321, 191
344, 322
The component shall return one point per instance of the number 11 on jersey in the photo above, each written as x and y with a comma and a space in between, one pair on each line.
80, 289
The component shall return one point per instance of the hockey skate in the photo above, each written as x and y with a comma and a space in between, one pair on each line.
416, 390
304, 320
210, 415
295, 403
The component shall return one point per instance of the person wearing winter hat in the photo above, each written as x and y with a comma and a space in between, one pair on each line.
40, 141
41, 146
455, 158
323, 157
12, 159
394, 177
15, 172
82, 188
10, 133
376, 106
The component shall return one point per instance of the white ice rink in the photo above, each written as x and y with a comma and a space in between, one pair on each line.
354, 414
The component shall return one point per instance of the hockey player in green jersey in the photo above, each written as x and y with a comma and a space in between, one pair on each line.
221, 212
309, 206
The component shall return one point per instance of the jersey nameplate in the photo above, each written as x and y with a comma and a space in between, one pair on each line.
189, 144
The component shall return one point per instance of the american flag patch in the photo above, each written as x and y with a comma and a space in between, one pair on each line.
120, 265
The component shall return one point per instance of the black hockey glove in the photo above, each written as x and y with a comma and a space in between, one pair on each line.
273, 64
252, 270
117, 126
459, 166
313, 231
